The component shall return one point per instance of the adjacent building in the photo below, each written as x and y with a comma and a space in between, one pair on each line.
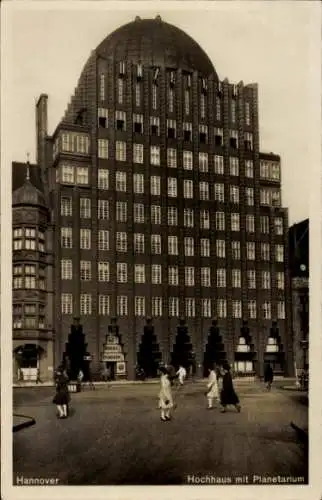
167, 232
33, 321
299, 270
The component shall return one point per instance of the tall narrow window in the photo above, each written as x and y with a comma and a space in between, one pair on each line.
172, 158
121, 305
120, 181
120, 152
203, 134
85, 304
120, 120
218, 109
120, 90
154, 96
219, 137
103, 209
85, 208
102, 148
154, 125
102, 87
138, 153
233, 139
85, 239
171, 100
137, 95
138, 123
187, 102
171, 129
233, 110
202, 106
102, 178
249, 169
187, 132
102, 117
248, 141
247, 113
187, 160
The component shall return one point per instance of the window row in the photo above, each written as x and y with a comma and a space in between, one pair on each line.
203, 158
67, 173
29, 276
143, 274
71, 142
171, 77
28, 238
156, 244
171, 130
158, 305
139, 215
28, 322
270, 170
28, 316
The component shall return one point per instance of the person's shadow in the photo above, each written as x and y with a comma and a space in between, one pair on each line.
71, 411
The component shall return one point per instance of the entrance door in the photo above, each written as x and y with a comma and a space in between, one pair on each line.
28, 362
111, 368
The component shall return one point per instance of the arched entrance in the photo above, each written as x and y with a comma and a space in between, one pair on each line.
28, 362
182, 353
149, 355
215, 349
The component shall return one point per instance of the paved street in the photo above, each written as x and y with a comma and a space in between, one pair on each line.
114, 436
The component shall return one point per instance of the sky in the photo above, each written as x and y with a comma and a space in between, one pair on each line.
275, 44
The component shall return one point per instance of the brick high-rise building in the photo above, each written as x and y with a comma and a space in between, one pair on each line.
170, 240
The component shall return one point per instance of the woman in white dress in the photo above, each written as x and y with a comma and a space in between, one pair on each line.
165, 396
212, 386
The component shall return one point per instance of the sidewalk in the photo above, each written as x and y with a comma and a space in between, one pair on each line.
238, 380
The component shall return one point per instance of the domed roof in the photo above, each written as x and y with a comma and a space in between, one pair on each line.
155, 43
28, 194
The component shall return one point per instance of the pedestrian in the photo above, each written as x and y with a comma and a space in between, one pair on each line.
228, 395
80, 378
181, 373
268, 376
62, 396
212, 386
165, 395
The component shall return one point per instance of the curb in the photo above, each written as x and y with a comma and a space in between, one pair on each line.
302, 434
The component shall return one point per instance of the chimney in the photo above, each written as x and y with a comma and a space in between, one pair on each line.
41, 137
41, 130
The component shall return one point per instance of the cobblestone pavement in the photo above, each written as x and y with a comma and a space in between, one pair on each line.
114, 436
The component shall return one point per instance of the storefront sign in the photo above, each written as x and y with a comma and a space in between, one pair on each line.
112, 356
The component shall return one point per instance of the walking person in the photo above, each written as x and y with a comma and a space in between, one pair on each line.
165, 395
212, 386
268, 376
80, 378
181, 373
228, 395
62, 396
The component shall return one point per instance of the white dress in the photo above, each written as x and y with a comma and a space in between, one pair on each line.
212, 385
165, 394
181, 374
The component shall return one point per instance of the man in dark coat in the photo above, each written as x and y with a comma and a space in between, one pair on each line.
228, 395
268, 376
